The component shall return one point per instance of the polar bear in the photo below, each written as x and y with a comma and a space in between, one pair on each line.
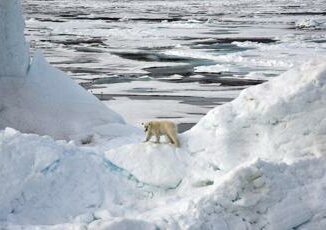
159, 128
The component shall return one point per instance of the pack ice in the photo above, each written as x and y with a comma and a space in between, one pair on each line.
257, 162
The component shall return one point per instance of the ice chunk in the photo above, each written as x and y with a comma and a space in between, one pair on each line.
14, 51
48, 102
157, 164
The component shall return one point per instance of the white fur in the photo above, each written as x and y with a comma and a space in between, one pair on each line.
160, 128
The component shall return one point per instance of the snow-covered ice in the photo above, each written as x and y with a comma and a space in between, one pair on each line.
49, 182
14, 55
263, 118
257, 162
38, 98
163, 166
64, 110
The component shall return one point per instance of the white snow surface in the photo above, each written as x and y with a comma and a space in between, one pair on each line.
262, 121
154, 164
256, 162
48, 182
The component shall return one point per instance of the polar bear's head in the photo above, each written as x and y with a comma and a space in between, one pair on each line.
147, 126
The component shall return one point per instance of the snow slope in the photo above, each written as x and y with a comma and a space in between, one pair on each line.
258, 162
158, 165
268, 121
264, 195
225, 176
281, 120
49, 182
48, 102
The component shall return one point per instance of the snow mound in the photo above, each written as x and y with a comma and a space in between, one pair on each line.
269, 121
283, 123
14, 52
157, 164
220, 182
264, 195
48, 182
281, 120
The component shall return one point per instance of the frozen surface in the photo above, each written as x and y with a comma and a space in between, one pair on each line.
14, 53
257, 162
258, 124
152, 163
207, 44
48, 182
48, 102
265, 195
38, 98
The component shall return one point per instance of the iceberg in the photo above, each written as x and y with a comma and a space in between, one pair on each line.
14, 51
38, 98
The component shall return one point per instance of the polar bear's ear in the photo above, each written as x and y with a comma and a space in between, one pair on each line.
142, 123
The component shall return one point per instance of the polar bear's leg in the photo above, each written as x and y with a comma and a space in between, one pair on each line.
169, 138
157, 138
172, 135
148, 136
